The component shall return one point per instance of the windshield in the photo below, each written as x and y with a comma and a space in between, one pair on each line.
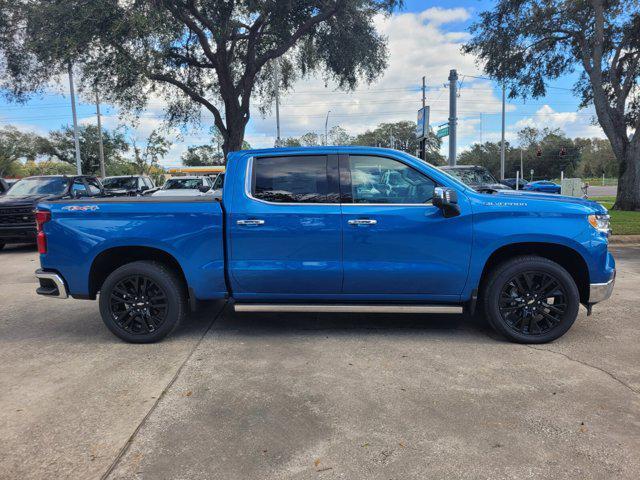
121, 182
182, 184
39, 186
473, 176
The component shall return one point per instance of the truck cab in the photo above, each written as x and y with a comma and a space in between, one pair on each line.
337, 229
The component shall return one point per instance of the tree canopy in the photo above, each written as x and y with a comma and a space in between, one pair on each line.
193, 54
526, 43
59, 145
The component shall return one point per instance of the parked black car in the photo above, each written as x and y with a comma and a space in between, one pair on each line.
477, 177
17, 217
129, 185
511, 183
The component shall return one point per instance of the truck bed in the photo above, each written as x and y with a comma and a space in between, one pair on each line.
84, 232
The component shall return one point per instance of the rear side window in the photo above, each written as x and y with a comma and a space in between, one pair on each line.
300, 179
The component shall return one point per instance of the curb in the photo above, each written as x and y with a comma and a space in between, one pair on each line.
624, 240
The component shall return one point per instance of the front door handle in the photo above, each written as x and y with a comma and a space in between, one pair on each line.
254, 222
362, 221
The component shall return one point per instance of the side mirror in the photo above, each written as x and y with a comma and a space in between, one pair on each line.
204, 188
446, 199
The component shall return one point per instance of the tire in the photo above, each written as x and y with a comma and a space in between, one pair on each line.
2, 245
530, 299
142, 302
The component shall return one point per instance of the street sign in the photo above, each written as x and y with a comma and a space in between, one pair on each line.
443, 132
422, 125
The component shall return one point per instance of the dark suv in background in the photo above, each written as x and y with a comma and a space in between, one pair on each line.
129, 185
17, 217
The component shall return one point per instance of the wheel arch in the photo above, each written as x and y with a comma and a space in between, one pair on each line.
110, 259
568, 258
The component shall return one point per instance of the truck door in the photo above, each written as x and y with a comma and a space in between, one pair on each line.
285, 228
395, 242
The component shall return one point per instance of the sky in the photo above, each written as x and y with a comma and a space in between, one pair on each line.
424, 39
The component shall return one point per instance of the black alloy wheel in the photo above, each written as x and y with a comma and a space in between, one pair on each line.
530, 299
533, 302
138, 305
143, 301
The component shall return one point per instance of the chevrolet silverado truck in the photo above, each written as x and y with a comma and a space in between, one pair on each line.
332, 229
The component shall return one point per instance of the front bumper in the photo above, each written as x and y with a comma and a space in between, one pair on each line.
51, 284
599, 292
11, 234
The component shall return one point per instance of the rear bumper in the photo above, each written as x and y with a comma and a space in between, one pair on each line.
599, 292
51, 284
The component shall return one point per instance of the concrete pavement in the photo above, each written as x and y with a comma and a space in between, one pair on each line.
315, 396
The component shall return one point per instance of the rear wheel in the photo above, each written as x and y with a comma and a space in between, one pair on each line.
2, 245
142, 302
531, 299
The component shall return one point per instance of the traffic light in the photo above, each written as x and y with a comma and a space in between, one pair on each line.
539, 152
563, 151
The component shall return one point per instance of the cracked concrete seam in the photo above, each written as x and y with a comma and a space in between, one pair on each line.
125, 448
594, 367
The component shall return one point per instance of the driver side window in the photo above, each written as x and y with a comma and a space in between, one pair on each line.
387, 181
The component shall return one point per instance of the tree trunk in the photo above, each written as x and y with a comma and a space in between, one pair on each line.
234, 135
629, 179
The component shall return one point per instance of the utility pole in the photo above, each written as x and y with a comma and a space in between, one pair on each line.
480, 128
326, 132
277, 81
453, 118
502, 146
521, 167
75, 122
423, 146
103, 172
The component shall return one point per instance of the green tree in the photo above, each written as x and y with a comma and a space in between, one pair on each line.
211, 54
15, 146
147, 159
338, 136
525, 43
202, 155
596, 158
60, 146
401, 136
208, 154
547, 152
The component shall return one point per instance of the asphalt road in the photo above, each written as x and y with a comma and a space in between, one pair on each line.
314, 397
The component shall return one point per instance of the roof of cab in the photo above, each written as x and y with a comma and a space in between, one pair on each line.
320, 149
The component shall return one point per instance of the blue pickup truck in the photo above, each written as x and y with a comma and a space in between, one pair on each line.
334, 229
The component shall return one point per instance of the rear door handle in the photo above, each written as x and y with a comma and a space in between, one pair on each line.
362, 221
251, 222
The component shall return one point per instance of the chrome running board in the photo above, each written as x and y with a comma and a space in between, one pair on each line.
346, 308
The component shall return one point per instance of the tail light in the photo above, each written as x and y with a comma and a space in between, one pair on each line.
42, 217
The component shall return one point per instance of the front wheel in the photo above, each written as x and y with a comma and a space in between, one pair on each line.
142, 302
531, 299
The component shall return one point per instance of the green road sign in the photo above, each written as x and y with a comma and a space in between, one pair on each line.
443, 132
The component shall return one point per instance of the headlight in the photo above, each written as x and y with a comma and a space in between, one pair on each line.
600, 222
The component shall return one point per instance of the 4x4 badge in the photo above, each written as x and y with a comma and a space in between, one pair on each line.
81, 208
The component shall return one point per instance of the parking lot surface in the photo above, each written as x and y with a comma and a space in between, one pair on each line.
251, 396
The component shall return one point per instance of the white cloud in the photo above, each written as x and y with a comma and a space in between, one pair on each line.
574, 124
417, 46
438, 15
